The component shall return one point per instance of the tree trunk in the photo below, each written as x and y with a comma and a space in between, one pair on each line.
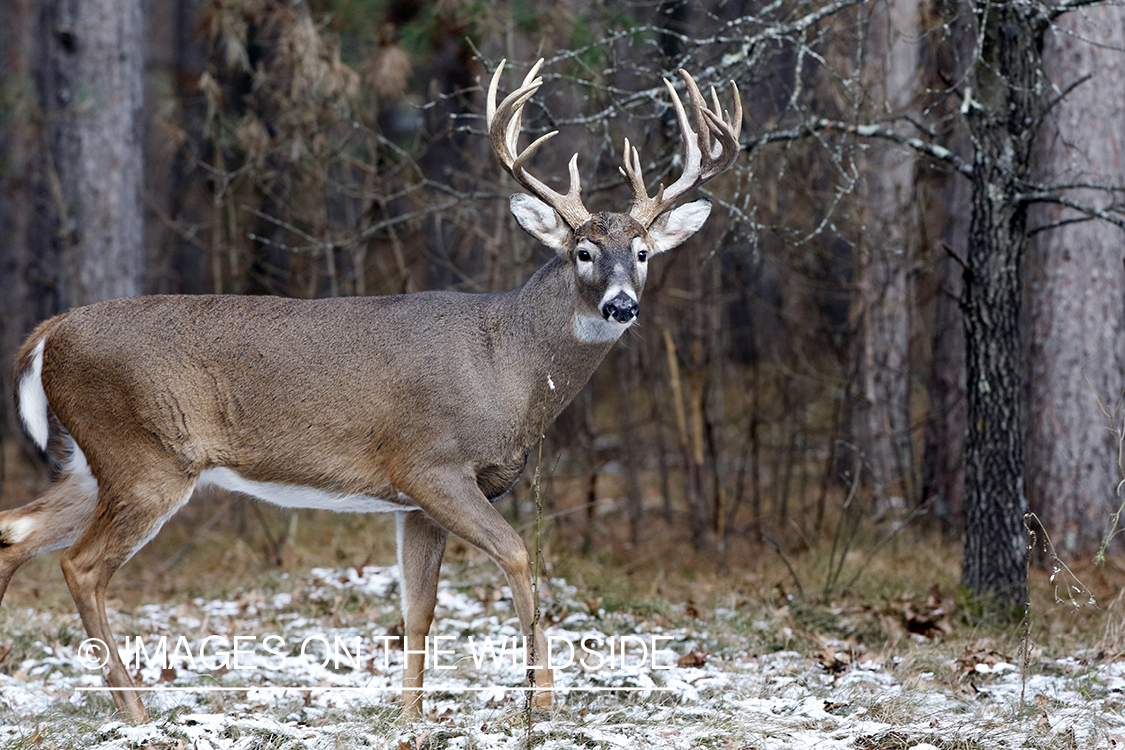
943, 482
886, 252
17, 153
1001, 111
1076, 321
90, 84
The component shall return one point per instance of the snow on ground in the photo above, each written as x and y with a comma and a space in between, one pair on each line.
317, 665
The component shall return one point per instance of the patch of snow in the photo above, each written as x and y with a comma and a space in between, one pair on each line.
741, 694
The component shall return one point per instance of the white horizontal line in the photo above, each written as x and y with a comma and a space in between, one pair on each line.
438, 689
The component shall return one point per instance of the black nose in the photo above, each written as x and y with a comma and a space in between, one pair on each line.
621, 308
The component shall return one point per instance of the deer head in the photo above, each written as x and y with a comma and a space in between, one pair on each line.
609, 252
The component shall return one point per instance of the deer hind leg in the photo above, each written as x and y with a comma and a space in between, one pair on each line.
124, 520
421, 545
51, 522
458, 505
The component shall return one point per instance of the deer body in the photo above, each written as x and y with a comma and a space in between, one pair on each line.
384, 389
424, 405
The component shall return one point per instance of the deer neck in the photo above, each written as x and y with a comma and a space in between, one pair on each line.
550, 353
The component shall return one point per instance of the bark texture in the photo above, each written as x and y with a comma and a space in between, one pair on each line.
1001, 112
943, 481
90, 87
1076, 307
17, 149
886, 253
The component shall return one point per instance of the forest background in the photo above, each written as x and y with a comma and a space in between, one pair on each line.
906, 307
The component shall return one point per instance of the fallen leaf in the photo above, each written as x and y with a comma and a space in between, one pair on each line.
989, 657
694, 659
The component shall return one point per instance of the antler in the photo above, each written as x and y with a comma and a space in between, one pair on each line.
504, 128
702, 158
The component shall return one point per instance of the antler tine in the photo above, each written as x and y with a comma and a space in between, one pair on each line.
703, 158
504, 122
643, 205
698, 108
734, 124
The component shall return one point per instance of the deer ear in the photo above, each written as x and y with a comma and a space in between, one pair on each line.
671, 228
542, 222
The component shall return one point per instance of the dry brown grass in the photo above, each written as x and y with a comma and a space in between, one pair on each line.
903, 613
903, 595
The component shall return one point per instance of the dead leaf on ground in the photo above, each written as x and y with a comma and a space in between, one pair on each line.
693, 611
988, 657
696, 658
836, 657
931, 618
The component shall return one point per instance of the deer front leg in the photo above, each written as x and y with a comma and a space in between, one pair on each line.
421, 545
457, 504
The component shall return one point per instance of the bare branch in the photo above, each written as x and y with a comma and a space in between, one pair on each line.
1113, 215
932, 150
1065, 6
1038, 189
1064, 94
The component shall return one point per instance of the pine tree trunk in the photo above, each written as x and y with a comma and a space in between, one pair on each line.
1001, 116
886, 251
943, 483
90, 84
1076, 321
17, 153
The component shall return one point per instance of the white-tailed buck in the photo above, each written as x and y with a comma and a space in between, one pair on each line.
422, 404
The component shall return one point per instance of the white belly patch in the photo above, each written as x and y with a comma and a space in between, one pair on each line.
296, 496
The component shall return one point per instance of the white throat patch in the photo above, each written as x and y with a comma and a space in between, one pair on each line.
590, 329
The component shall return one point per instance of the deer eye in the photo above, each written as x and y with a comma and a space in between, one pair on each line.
584, 256
642, 256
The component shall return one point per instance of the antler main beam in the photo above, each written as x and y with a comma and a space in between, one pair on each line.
709, 149
504, 129
703, 158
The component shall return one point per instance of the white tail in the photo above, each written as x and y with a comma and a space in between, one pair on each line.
424, 404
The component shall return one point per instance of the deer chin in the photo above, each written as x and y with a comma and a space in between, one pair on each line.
594, 329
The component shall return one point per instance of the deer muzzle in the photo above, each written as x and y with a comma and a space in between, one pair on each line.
622, 308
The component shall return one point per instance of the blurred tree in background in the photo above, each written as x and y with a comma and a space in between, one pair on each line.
799, 372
